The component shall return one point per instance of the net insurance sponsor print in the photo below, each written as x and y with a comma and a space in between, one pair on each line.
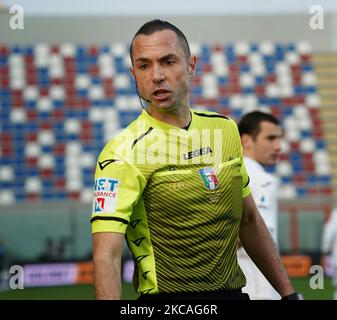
106, 191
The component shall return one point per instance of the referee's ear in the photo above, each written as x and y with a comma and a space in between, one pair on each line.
192, 64
132, 71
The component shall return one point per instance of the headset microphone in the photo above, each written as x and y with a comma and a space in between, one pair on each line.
143, 100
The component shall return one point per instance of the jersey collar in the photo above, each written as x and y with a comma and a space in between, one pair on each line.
163, 125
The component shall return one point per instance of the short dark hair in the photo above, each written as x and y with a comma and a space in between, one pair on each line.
250, 122
153, 26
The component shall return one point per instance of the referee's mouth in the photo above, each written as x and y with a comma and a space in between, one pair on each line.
161, 94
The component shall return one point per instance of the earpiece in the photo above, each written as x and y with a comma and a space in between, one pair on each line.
147, 102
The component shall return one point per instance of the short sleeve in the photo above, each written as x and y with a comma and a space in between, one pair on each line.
117, 188
245, 180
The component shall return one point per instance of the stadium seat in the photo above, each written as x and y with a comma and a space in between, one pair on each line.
61, 103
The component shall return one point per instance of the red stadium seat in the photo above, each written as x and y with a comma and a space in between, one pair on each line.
46, 88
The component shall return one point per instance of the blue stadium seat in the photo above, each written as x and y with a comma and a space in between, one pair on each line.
14, 137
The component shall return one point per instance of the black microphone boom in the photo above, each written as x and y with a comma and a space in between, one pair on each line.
141, 99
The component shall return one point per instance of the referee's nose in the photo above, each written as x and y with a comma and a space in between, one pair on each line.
158, 74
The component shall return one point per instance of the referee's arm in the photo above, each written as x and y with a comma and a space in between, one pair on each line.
261, 248
107, 253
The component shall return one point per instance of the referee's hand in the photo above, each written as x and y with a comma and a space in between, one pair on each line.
293, 296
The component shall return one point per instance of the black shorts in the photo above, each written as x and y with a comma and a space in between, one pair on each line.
236, 294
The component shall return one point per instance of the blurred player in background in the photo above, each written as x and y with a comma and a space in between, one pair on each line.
182, 213
329, 245
261, 137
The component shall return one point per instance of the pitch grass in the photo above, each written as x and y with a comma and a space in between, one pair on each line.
85, 292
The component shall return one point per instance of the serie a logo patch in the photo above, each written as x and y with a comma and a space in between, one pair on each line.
209, 178
105, 195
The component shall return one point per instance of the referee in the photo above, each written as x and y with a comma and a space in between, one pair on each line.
175, 184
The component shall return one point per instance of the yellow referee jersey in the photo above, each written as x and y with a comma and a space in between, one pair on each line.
177, 195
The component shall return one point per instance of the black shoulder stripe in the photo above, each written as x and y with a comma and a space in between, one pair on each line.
210, 115
141, 137
105, 163
109, 218
246, 183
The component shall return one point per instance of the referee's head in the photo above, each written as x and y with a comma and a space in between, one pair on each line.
156, 25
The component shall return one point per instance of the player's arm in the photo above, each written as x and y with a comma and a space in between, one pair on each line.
329, 233
107, 252
261, 248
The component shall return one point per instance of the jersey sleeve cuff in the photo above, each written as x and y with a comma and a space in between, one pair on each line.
98, 225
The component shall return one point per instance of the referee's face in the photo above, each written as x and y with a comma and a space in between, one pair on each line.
161, 70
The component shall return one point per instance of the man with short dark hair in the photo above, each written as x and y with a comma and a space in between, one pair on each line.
261, 140
175, 183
